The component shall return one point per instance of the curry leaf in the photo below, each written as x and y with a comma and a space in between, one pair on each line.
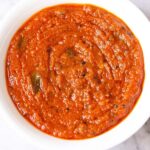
36, 82
70, 52
21, 42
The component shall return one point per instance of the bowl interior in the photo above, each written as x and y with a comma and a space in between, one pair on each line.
137, 23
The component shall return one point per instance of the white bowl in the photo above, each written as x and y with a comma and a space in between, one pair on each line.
141, 112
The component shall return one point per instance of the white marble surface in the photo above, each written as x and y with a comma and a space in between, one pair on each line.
9, 140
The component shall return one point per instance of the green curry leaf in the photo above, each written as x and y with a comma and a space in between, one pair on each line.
36, 82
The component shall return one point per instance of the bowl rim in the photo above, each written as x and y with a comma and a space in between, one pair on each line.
41, 139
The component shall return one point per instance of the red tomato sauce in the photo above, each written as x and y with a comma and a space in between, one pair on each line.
74, 71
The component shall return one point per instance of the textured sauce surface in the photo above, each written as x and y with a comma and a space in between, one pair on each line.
74, 71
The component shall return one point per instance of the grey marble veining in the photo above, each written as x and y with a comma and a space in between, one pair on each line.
139, 141
144, 5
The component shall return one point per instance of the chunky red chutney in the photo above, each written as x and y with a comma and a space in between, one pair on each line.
74, 71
